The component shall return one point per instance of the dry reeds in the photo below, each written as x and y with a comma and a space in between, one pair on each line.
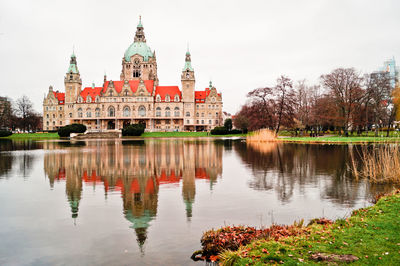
379, 165
262, 135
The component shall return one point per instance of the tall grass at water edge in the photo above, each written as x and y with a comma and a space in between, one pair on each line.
381, 164
262, 135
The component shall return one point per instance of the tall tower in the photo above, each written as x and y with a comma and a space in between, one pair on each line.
73, 86
188, 83
139, 62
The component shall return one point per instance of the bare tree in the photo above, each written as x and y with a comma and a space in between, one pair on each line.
284, 103
344, 85
379, 93
24, 110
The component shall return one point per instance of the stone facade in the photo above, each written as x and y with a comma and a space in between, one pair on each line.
135, 98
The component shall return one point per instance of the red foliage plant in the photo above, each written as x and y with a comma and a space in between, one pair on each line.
232, 237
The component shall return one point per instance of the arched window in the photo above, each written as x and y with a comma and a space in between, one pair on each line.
88, 112
127, 111
176, 98
47, 123
167, 98
158, 112
167, 112
142, 111
111, 111
47, 115
97, 112
158, 98
197, 114
80, 99
97, 99
187, 114
176, 111
88, 99
111, 93
126, 92
80, 112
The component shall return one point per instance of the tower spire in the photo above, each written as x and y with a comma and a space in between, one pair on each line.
139, 36
188, 61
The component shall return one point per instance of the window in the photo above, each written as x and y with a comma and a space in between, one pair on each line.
60, 115
197, 114
202, 114
80, 99
216, 122
176, 99
47, 123
60, 122
167, 112
142, 111
80, 112
167, 122
47, 108
111, 93
54, 123
97, 99
60, 108
127, 111
176, 111
202, 121
187, 121
216, 114
47, 115
54, 116
158, 112
209, 121
70, 115
167, 98
126, 93
136, 73
187, 113
97, 112
158, 98
111, 111
89, 99
88, 112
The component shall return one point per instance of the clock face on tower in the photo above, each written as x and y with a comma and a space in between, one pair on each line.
187, 75
136, 62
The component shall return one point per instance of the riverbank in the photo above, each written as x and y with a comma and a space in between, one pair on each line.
340, 139
368, 236
185, 135
23, 136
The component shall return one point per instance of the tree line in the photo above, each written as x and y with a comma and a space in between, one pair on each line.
19, 115
344, 101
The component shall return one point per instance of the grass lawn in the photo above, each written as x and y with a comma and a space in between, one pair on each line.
371, 234
22, 136
184, 134
339, 139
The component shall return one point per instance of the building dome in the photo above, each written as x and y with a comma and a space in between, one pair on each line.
140, 48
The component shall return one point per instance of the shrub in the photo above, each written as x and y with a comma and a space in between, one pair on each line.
64, 131
77, 128
133, 130
219, 131
73, 128
5, 133
235, 131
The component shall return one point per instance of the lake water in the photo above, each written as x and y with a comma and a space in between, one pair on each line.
120, 202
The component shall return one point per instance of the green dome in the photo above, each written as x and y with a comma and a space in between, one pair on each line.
140, 48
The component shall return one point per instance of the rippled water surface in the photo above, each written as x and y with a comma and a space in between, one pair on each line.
120, 202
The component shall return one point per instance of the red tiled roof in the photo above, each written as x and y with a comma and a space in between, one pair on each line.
168, 179
132, 83
170, 90
135, 187
200, 96
60, 97
92, 92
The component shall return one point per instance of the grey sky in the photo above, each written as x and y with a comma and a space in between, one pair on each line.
239, 45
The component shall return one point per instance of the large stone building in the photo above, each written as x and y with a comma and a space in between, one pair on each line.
135, 98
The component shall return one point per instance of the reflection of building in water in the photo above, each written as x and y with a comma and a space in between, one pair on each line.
136, 169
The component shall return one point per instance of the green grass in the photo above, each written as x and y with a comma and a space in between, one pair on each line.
184, 135
21, 136
371, 234
339, 139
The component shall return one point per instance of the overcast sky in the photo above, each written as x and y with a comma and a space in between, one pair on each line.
239, 45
